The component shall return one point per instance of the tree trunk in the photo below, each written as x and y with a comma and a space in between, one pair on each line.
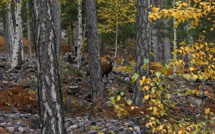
174, 43
18, 47
75, 37
157, 37
49, 88
10, 29
155, 44
80, 33
7, 31
28, 30
142, 47
56, 8
116, 37
93, 49
167, 42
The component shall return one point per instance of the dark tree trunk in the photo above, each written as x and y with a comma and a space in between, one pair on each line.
56, 9
93, 49
142, 47
49, 89
28, 30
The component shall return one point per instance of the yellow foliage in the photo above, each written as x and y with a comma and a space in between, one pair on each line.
110, 10
183, 12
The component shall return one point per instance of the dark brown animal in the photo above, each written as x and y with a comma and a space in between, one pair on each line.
106, 66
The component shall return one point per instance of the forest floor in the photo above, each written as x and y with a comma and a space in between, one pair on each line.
18, 90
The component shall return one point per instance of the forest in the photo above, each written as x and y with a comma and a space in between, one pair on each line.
107, 67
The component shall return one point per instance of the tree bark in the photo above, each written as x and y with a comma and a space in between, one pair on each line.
18, 47
166, 43
80, 33
174, 43
142, 47
49, 88
9, 30
28, 30
93, 49
56, 9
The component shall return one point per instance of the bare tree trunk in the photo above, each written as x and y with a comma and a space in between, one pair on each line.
142, 47
49, 88
6, 33
28, 30
166, 43
56, 8
75, 38
10, 30
155, 44
159, 38
174, 44
116, 37
18, 47
93, 49
80, 33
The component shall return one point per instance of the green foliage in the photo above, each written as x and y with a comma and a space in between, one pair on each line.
118, 102
69, 12
163, 112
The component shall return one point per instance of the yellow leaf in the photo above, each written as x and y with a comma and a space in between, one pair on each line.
187, 49
155, 9
193, 55
133, 107
181, 132
154, 17
185, 4
142, 81
146, 97
146, 88
207, 110
207, 48
149, 124
118, 98
198, 93
188, 77
159, 93
195, 76
155, 109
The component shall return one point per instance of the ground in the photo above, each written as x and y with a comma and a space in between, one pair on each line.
19, 90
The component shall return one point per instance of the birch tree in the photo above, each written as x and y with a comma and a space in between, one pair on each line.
18, 52
80, 33
49, 88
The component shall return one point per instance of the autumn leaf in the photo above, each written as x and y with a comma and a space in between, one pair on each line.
207, 110
146, 97
155, 9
